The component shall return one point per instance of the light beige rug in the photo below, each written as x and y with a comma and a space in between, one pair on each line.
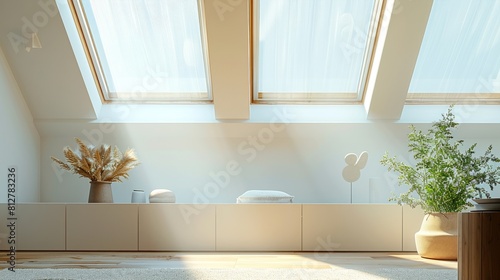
229, 274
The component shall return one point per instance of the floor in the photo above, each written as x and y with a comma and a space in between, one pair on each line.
313, 260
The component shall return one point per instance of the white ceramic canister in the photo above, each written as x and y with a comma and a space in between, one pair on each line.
138, 196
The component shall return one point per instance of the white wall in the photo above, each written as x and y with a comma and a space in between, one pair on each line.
19, 140
182, 150
305, 160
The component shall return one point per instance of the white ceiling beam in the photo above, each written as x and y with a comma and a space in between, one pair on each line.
396, 52
227, 24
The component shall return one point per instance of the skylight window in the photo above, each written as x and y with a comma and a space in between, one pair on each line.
459, 57
146, 50
313, 50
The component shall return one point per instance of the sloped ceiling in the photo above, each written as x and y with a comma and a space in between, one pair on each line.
56, 88
49, 78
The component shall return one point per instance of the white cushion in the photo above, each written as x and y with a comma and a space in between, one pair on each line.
264, 196
162, 196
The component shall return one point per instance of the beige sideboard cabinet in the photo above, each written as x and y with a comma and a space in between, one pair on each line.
211, 227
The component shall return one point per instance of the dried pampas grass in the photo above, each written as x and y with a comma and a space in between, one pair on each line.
101, 163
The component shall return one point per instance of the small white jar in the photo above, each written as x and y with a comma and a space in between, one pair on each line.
138, 196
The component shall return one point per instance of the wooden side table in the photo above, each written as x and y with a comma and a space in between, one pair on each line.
479, 245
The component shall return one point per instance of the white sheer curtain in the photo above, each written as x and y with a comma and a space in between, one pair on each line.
460, 52
149, 45
312, 46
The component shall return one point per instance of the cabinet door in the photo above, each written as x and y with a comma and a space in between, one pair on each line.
352, 227
412, 220
38, 227
102, 227
258, 227
176, 227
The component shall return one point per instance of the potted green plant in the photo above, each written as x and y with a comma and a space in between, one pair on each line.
445, 178
102, 165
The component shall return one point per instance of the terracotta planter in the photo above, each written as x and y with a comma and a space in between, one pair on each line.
437, 238
100, 192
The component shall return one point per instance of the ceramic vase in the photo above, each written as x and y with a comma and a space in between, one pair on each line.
100, 192
138, 196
